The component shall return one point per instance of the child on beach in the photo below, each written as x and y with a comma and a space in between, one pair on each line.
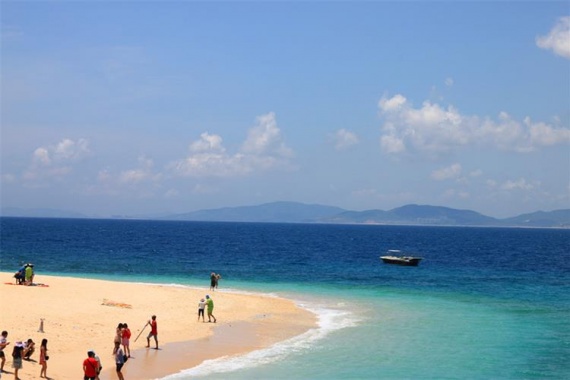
201, 307
43, 358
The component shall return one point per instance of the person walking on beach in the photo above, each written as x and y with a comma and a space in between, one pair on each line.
120, 359
201, 307
3, 343
43, 358
90, 366
126, 336
17, 355
153, 332
210, 304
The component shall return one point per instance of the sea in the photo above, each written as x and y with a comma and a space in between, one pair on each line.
484, 303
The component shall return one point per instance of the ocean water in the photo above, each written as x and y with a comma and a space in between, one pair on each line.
485, 303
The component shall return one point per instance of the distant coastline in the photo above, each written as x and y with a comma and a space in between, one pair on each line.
295, 212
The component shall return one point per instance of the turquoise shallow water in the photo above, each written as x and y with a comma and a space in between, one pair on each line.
484, 303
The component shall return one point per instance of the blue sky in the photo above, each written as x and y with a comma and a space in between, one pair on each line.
143, 108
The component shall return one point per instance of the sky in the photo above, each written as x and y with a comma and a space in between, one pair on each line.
158, 107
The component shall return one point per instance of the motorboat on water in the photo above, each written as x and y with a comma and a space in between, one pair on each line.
395, 256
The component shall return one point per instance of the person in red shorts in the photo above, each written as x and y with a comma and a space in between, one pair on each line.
90, 366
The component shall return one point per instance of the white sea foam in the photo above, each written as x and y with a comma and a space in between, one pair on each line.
330, 318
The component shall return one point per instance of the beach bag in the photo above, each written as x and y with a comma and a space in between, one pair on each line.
47, 358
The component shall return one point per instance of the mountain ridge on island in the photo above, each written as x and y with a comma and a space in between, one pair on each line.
297, 212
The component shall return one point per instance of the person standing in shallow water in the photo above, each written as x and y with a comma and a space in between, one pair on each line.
153, 332
213, 281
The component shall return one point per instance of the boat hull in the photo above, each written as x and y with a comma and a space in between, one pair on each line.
404, 261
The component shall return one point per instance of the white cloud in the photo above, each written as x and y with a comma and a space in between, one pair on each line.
54, 162
391, 104
263, 149
207, 143
519, 184
432, 129
143, 173
449, 82
558, 40
265, 138
344, 139
41, 157
71, 150
449, 172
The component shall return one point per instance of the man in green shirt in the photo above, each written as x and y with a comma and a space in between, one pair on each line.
210, 305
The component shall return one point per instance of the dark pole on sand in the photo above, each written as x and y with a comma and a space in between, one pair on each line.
141, 331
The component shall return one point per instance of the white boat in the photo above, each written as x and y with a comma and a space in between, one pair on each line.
395, 256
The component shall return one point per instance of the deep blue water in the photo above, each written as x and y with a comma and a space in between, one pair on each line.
493, 302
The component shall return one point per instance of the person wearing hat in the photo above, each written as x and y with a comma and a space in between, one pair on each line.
201, 307
210, 304
17, 355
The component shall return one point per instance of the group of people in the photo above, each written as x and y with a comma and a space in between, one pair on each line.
25, 275
23, 351
92, 364
209, 304
121, 355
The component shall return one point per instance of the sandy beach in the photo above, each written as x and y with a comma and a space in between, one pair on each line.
82, 314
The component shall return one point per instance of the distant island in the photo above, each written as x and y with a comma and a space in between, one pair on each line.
295, 212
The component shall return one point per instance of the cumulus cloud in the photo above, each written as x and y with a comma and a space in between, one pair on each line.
558, 40
265, 138
344, 139
433, 129
263, 149
449, 172
57, 160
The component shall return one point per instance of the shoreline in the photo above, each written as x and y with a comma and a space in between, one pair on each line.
81, 314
